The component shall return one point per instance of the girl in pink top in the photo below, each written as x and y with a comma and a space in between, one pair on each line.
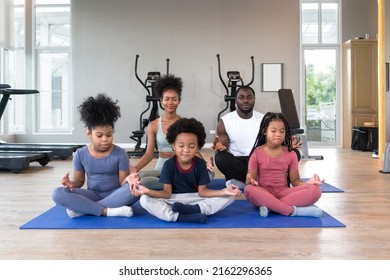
271, 164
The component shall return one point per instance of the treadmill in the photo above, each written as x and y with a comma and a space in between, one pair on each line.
61, 151
17, 157
17, 161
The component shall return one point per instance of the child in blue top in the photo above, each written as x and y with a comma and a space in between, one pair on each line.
101, 164
185, 196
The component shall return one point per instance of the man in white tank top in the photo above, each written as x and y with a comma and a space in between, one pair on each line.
236, 135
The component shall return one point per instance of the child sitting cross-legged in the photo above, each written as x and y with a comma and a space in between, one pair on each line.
271, 159
185, 196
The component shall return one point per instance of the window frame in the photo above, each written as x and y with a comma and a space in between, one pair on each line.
319, 45
37, 51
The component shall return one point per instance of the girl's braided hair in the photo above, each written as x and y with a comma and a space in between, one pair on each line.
261, 137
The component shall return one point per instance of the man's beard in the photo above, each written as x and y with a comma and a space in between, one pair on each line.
245, 111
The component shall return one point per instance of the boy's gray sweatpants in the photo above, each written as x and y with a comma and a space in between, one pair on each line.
162, 208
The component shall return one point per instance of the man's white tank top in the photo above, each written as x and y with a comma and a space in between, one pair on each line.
242, 132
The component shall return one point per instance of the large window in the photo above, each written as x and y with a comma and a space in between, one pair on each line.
320, 22
320, 63
48, 51
12, 66
52, 60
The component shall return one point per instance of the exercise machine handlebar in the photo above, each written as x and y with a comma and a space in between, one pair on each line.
220, 75
147, 89
253, 71
151, 98
234, 80
167, 65
136, 73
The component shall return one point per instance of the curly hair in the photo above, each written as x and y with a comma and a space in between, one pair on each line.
99, 111
167, 82
187, 125
261, 137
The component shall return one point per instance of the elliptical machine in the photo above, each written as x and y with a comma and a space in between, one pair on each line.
234, 81
153, 103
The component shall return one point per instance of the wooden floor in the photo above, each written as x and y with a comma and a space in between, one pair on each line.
364, 208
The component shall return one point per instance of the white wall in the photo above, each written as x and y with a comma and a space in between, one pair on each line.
360, 17
109, 34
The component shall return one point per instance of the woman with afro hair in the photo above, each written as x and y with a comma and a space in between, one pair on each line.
102, 165
168, 89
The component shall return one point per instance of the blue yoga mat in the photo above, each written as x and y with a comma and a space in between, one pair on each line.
218, 184
240, 214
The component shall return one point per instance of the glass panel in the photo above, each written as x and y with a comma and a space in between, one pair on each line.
2, 82
320, 91
52, 26
48, 2
329, 23
52, 37
12, 62
310, 23
17, 104
19, 27
53, 82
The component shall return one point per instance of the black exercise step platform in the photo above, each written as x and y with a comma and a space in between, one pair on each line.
139, 153
17, 161
59, 151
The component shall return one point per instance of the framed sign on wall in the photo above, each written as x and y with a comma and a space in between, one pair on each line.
272, 76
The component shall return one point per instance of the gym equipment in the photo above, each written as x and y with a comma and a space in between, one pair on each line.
6, 91
386, 161
19, 160
364, 138
234, 81
287, 106
58, 150
153, 102
16, 157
